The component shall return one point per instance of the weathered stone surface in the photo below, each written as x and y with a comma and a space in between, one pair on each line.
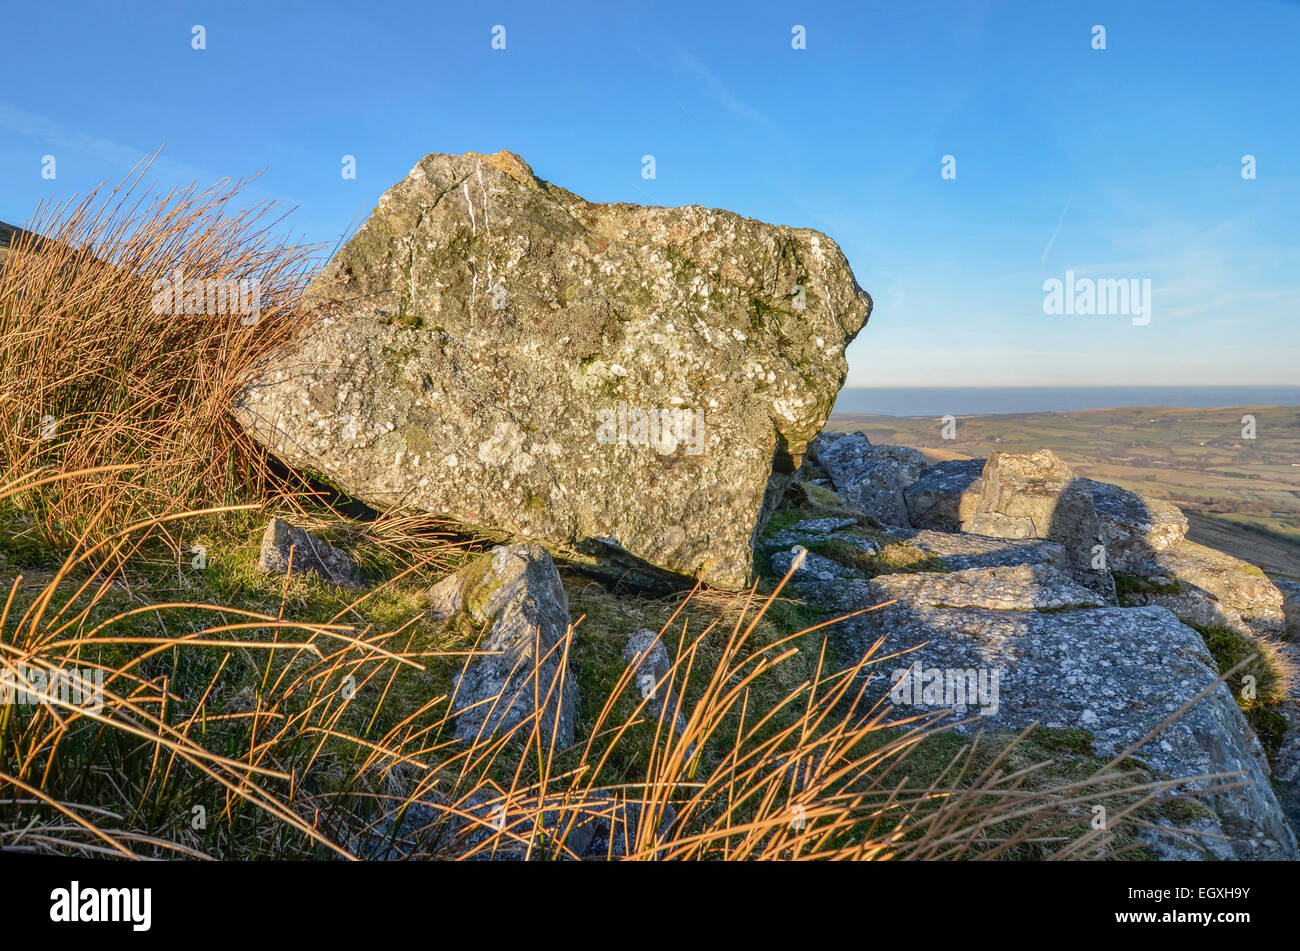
871, 478
1008, 588
518, 591
286, 547
652, 678
1290, 592
494, 348
823, 440
944, 494
958, 551
1116, 673
813, 566
1036, 495
1211, 589
1134, 527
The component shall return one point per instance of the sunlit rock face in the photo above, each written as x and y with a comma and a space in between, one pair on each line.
633, 383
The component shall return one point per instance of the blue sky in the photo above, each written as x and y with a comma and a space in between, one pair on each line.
1116, 163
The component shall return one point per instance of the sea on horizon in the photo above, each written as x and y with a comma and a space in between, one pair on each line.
981, 401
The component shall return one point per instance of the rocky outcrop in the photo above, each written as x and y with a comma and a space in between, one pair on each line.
871, 478
517, 590
1002, 631
1134, 527
944, 494
1117, 673
288, 548
621, 381
1207, 588
1036, 495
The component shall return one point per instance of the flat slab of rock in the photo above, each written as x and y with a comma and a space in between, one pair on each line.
610, 378
959, 551
1036, 495
944, 494
871, 478
517, 590
1116, 673
1008, 588
1211, 589
287, 548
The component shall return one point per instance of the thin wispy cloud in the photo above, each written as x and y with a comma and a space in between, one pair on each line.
1051, 241
685, 61
55, 136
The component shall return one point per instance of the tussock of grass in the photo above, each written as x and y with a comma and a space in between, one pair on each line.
1241, 655
93, 375
1135, 585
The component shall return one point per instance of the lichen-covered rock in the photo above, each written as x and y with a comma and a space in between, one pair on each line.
288, 548
1036, 495
518, 591
871, 478
1207, 588
1008, 588
944, 494
1134, 527
1116, 673
611, 378
653, 676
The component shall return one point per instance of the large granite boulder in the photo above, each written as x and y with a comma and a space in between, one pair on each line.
633, 383
517, 591
1036, 495
944, 494
871, 478
1134, 527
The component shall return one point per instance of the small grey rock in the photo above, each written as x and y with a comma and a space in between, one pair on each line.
309, 554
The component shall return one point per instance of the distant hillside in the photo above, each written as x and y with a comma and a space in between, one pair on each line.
1243, 495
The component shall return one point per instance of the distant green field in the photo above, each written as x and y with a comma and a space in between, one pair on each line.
1243, 492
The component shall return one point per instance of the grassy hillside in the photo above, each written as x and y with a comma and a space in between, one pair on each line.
1242, 495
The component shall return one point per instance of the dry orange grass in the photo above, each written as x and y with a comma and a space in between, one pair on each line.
93, 374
